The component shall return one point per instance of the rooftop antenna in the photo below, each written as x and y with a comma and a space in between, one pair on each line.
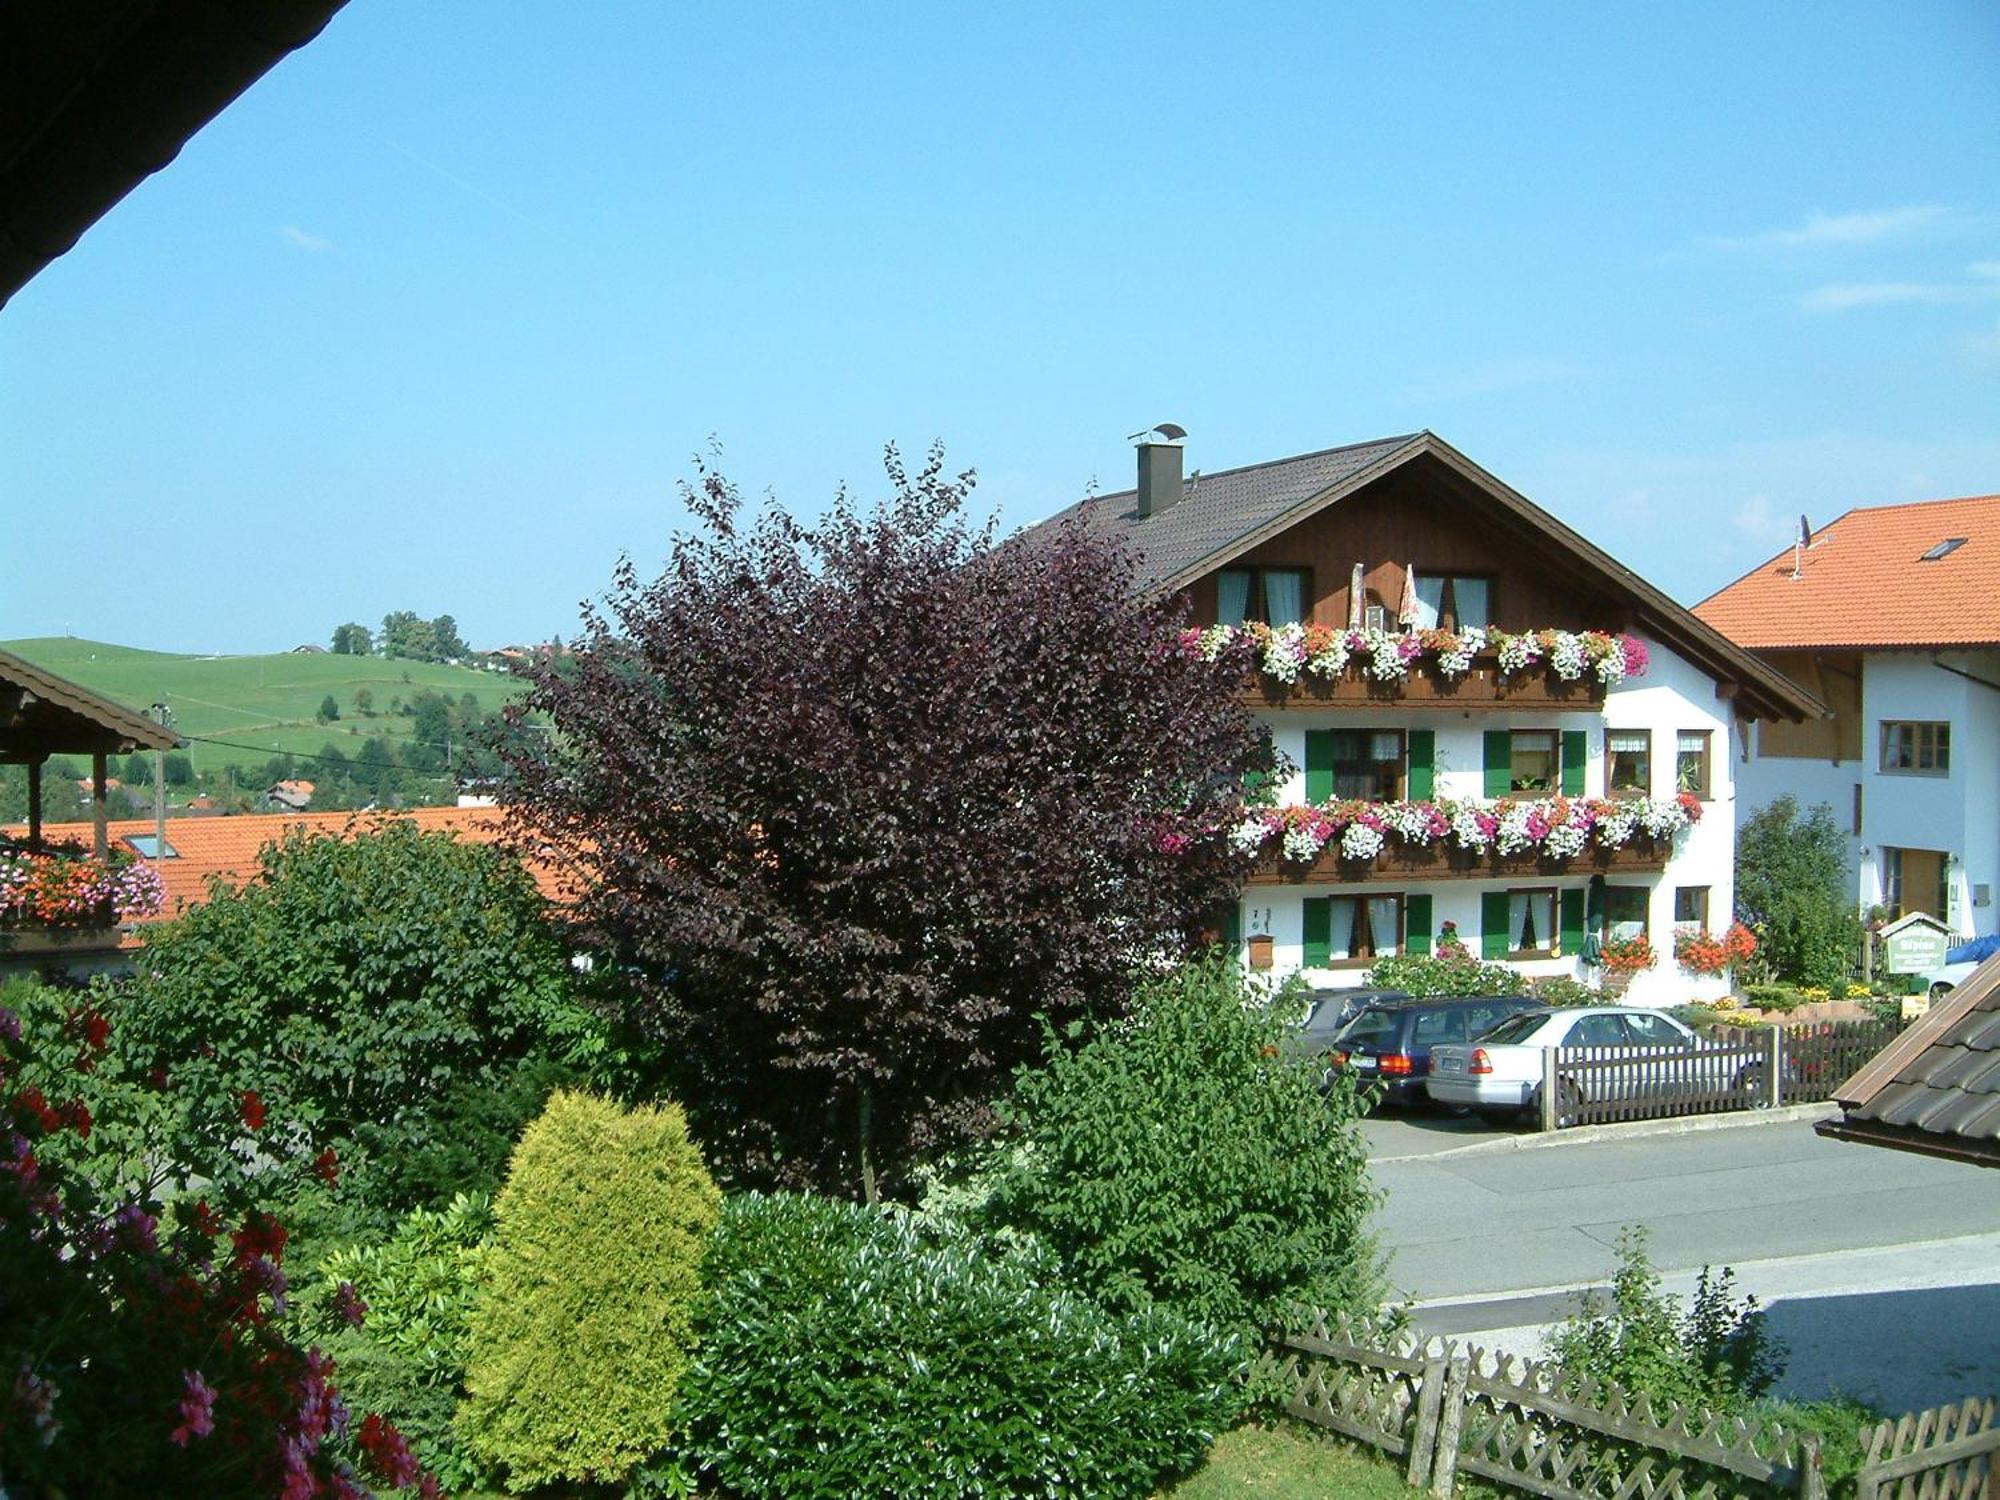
1171, 432
1799, 545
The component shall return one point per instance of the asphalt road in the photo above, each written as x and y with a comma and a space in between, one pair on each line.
1881, 1269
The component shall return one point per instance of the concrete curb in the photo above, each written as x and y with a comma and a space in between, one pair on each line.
1591, 1135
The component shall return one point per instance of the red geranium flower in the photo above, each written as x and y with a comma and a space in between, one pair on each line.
326, 1167
253, 1109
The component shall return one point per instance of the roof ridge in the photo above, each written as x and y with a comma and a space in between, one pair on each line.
1398, 439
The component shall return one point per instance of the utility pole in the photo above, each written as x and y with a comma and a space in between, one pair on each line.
160, 790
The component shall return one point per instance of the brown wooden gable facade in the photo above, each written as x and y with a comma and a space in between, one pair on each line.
1425, 515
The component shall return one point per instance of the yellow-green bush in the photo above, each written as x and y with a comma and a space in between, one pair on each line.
593, 1283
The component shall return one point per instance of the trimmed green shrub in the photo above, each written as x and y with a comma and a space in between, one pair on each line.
1426, 976
1794, 888
842, 1355
413, 1294
1713, 1352
592, 1284
1560, 989
1178, 1157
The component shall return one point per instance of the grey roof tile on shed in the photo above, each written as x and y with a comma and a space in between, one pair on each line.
1937, 1087
1216, 509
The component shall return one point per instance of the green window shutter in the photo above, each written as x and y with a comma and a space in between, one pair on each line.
1232, 929
1319, 765
1572, 922
1423, 766
1576, 751
1499, 762
1417, 918
1319, 931
1493, 941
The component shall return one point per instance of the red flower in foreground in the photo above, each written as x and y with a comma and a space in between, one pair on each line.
260, 1235
389, 1453
326, 1167
253, 1109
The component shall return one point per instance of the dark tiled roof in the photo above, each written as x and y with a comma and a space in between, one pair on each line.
1217, 509
1937, 1087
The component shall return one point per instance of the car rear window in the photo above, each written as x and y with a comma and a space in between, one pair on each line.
1434, 1026
1370, 1028
1514, 1028
1480, 1019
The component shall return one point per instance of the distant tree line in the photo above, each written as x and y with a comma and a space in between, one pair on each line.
405, 635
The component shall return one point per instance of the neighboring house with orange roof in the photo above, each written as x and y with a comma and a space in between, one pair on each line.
200, 849
289, 796
1891, 616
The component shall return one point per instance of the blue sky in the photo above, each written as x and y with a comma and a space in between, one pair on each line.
434, 316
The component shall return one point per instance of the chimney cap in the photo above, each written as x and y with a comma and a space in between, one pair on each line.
1168, 432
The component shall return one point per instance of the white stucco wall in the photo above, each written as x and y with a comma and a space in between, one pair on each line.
1672, 696
1957, 813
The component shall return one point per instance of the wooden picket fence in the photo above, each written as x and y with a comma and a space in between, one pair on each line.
1444, 1410
1760, 1067
1946, 1453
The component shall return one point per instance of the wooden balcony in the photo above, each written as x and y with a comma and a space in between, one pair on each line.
1483, 687
1400, 865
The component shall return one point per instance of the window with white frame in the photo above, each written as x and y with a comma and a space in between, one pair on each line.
1531, 921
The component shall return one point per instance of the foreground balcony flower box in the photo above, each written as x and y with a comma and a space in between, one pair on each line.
1485, 686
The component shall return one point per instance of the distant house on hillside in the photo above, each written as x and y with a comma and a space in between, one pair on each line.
288, 796
1488, 728
308, 649
1891, 615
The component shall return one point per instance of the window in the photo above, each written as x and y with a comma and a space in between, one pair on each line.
1691, 907
1536, 767
1531, 921
1691, 762
1916, 749
1365, 927
1434, 1026
1274, 596
1599, 1031
1368, 764
1628, 762
1944, 549
1453, 601
1625, 911
1654, 1031
1916, 880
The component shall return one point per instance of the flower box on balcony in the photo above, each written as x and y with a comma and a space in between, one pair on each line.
1406, 865
62, 889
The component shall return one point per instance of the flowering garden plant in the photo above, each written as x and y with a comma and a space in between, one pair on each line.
1628, 955
63, 886
1555, 827
1703, 953
144, 1352
1285, 653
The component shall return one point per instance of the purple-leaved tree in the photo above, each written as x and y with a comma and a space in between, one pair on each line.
855, 803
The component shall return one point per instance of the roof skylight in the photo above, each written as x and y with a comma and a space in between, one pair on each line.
1944, 548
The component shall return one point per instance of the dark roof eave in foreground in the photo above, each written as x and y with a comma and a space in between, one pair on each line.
1906, 1138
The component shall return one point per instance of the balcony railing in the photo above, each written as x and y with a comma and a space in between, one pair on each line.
1317, 666
1353, 843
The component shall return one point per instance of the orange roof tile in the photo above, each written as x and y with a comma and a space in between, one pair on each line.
229, 846
1862, 583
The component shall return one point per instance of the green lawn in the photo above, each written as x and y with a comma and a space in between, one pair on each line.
265, 702
1290, 1462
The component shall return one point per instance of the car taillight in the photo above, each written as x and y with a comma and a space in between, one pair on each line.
1479, 1062
1396, 1062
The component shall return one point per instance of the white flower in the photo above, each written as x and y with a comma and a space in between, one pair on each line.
1567, 657
1409, 821
1386, 662
1285, 653
1457, 661
1611, 665
1513, 836
1303, 843
1465, 827
1214, 641
1566, 842
1331, 661
1614, 829
1519, 653
1247, 837
1359, 841
1664, 818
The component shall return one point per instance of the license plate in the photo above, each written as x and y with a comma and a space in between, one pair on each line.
1364, 1064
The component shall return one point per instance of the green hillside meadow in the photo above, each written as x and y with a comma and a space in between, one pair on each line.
267, 703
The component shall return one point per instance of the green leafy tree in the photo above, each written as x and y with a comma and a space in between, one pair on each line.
446, 642
407, 634
1793, 889
855, 802
592, 1287
1181, 1158
352, 640
329, 710
364, 701
397, 998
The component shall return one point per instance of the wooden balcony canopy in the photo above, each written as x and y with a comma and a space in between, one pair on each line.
42, 714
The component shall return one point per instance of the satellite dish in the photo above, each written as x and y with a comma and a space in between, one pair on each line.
1805, 531
1173, 432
